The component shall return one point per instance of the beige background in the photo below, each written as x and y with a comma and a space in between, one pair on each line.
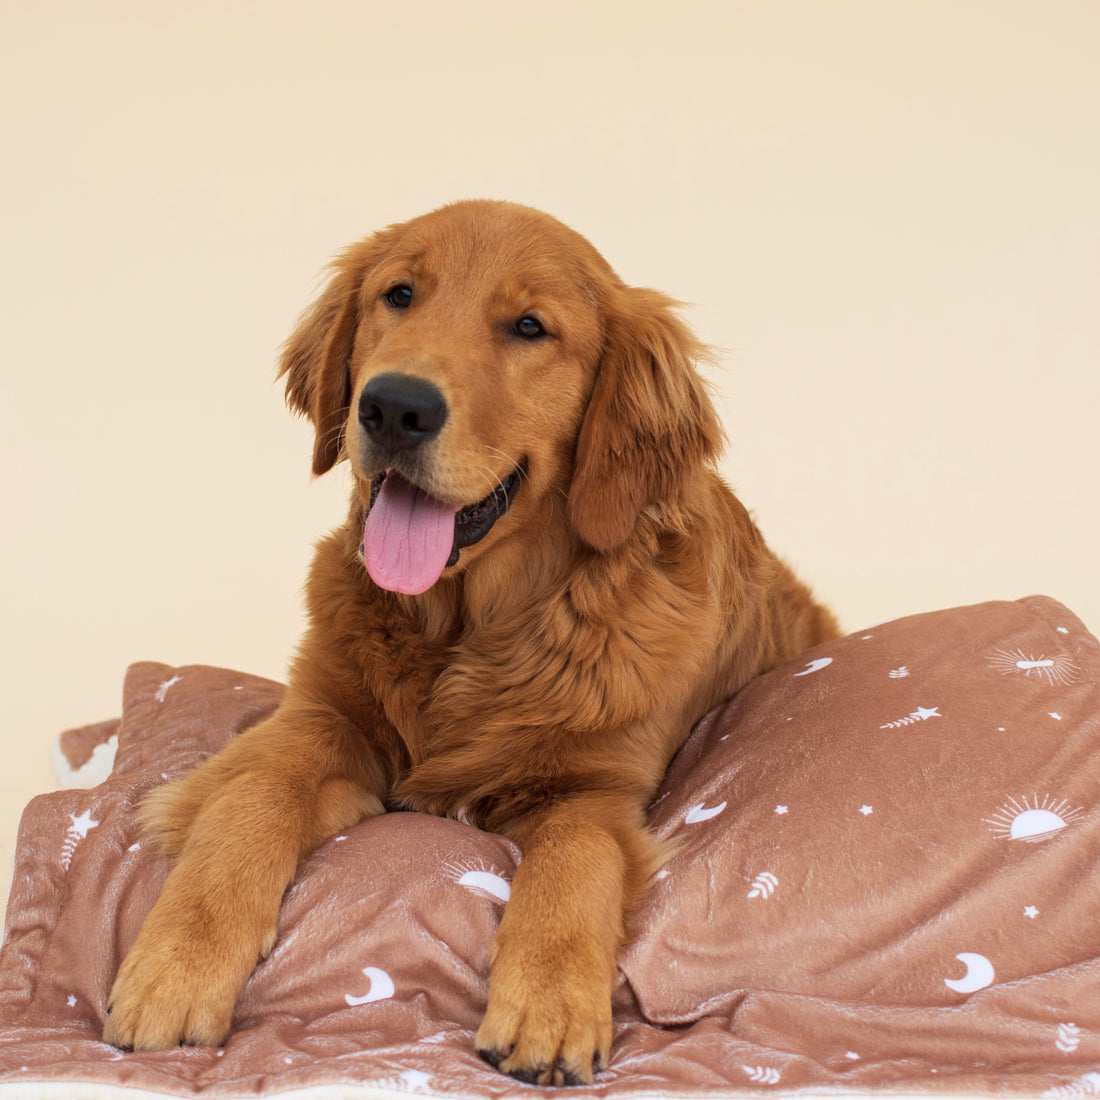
887, 214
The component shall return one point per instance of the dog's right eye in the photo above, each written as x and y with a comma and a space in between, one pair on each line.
530, 328
400, 296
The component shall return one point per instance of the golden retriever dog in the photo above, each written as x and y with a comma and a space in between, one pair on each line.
541, 584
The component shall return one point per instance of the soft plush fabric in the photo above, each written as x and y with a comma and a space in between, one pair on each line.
883, 879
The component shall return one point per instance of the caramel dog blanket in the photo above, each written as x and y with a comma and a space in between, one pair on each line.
884, 879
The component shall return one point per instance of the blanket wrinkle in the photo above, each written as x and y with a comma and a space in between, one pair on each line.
877, 880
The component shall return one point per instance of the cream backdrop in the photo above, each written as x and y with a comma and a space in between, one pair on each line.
885, 214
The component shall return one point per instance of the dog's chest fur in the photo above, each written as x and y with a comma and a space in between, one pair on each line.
486, 711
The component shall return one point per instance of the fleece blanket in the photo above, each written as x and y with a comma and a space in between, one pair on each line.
884, 880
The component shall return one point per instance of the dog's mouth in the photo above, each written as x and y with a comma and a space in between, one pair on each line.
409, 537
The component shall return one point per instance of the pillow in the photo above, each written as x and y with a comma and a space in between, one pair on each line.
896, 827
880, 879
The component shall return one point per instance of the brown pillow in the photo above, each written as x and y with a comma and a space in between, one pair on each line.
900, 826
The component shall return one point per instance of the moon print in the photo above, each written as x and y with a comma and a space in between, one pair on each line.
381, 987
703, 813
815, 666
979, 974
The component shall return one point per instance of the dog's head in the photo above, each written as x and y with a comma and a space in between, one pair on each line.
474, 364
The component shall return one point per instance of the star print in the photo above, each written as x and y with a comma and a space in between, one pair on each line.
865, 810
781, 809
1031, 912
921, 714
71, 1002
82, 823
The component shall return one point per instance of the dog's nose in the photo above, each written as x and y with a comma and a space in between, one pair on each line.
401, 411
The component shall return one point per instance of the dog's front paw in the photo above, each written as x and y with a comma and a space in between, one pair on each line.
554, 1032
176, 987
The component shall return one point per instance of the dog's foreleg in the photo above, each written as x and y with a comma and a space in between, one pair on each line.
585, 862
239, 825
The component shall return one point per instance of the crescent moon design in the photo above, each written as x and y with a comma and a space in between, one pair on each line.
815, 666
487, 882
703, 813
979, 974
381, 987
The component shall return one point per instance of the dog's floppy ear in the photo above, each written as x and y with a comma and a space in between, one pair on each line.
649, 422
314, 359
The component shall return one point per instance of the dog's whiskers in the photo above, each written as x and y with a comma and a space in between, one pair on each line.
496, 481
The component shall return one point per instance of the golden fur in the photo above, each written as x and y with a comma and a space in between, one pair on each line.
541, 686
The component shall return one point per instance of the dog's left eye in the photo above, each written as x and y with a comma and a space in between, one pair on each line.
399, 296
530, 328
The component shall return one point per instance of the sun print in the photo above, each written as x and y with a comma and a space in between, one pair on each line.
1032, 820
1055, 670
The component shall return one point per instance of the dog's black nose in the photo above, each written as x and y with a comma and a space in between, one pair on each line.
401, 411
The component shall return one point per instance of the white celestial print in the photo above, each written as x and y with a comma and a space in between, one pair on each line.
815, 666
979, 974
781, 810
162, 691
77, 831
762, 1075
1030, 912
1069, 1038
866, 810
763, 886
701, 812
71, 1001
487, 883
82, 824
1086, 1085
381, 987
478, 877
1032, 820
921, 714
1058, 669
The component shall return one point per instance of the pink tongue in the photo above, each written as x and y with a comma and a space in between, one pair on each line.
408, 537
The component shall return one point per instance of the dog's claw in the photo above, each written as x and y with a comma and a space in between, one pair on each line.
493, 1057
569, 1078
528, 1075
